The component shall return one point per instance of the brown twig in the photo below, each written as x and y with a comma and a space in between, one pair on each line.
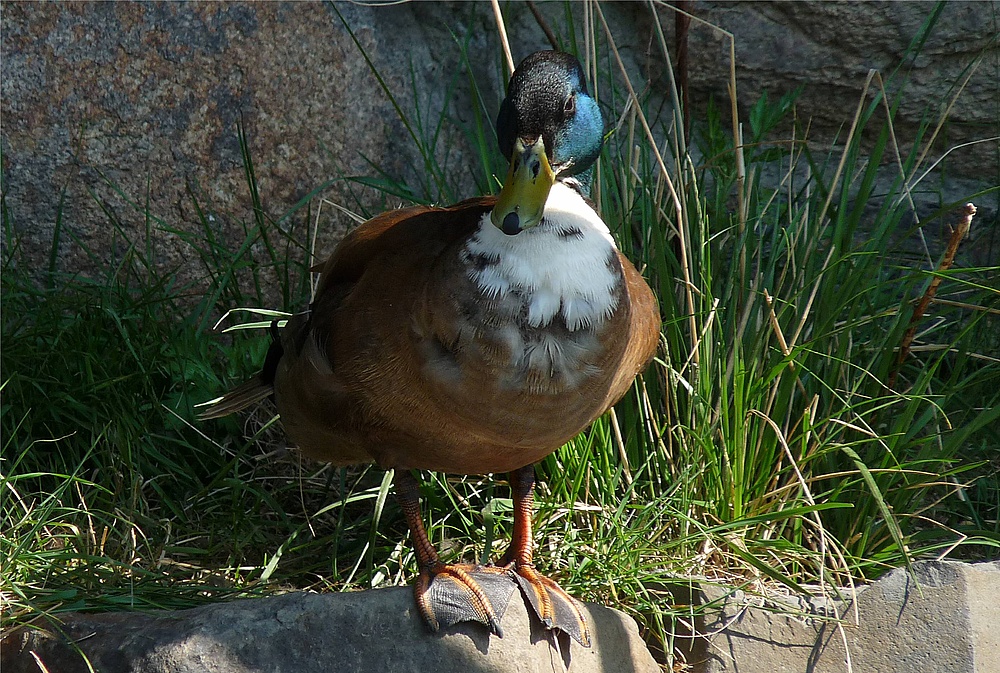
544, 25
968, 212
504, 42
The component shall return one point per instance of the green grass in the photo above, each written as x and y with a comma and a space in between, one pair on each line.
762, 448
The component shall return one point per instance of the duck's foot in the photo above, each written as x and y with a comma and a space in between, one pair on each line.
449, 594
554, 608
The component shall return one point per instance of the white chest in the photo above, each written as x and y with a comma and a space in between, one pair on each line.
566, 267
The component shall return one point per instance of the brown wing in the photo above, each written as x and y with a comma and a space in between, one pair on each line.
355, 339
423, 230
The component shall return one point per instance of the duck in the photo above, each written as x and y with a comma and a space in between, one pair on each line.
475, 338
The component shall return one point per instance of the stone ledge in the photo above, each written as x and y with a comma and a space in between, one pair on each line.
947, 621
374, 631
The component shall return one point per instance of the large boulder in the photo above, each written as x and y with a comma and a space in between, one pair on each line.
125, 109
364, 632
828, 48
131, 109
130, 112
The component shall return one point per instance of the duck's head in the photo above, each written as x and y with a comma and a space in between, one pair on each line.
550, 129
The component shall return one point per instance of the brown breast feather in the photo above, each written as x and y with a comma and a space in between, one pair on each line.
388, 367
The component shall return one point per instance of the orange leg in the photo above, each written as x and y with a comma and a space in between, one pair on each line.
462, 596
450, 593
555, 607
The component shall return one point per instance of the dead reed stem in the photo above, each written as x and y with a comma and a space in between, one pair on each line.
968, 212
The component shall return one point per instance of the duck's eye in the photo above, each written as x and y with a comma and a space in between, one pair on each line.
569, 107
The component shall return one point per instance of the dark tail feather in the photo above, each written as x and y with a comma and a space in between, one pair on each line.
252, 391
239, 398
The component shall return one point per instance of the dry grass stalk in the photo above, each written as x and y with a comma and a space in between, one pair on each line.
968, 212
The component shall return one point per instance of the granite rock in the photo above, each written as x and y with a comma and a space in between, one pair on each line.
370, 631
129, 112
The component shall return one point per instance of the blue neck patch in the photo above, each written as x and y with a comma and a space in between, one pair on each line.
579, 139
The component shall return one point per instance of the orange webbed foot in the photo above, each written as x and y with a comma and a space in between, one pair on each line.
555, 608
447, 594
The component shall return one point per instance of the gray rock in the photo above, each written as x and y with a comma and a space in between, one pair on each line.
146, 99
120, 105
829, 47
373, 631
117, 108
945, 619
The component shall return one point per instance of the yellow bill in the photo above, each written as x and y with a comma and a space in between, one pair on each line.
522, 199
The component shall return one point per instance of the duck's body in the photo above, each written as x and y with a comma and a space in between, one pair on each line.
473, 339
438, 342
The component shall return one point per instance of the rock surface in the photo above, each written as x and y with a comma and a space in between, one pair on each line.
946, 619
119, 111
124, 108
147, 99
372, 631
829, 47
